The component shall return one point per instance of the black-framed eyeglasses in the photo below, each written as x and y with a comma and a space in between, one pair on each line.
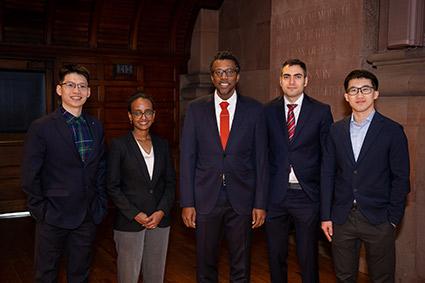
72, 85
365, 90
148, 113
228, 72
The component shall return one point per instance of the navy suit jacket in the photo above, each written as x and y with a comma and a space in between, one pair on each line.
61, 188
379, 180
244, 161
304, 152
130, 186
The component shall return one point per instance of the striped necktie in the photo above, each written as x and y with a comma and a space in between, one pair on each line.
290, 122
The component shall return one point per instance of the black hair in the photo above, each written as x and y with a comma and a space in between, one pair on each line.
361, 74
225, 55
294, 62
137, 95
73, 68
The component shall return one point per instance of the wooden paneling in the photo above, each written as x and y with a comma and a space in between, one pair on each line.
71, 23
24, 21
11, 196
151, 36
114, 25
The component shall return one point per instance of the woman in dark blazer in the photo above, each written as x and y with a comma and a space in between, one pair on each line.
141, 183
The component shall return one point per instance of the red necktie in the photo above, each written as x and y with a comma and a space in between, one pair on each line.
290, 122
224, 123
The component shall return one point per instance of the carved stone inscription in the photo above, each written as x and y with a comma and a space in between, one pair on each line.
327, 35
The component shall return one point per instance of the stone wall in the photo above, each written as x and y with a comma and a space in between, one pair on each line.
245, 30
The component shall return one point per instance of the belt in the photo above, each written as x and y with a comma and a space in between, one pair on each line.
294, 186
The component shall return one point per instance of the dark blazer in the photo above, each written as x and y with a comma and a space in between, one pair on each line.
61, 188
130, 186
379, 180
203, 161
304, 152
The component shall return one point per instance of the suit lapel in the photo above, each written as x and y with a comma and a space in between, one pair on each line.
135, 150
65, 132
346, 139
211, 126
372, 133
237, 121
305, 113
159, 158
279, 116
95, 136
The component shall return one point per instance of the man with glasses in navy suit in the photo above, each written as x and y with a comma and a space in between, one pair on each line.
63, 174
223, 180
365, 183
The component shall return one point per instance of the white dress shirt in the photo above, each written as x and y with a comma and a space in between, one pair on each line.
149, 159
297, 110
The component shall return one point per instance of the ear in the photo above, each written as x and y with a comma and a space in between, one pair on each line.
346, 96
375, 95
88, 93
129, 117
237, 78
306, 81
59, 90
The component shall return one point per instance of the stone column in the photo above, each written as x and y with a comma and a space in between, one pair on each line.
204, 46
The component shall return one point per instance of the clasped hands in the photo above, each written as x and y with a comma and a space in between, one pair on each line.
151, 221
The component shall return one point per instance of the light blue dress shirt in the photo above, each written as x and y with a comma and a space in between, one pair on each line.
358, 132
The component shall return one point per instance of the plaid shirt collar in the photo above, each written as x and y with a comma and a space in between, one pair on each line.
83, 138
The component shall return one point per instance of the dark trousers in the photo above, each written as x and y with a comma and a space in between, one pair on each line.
52, 242
210, 228
379, 241
305, 215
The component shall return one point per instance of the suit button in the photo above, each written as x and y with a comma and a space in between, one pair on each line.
355, 190
224, 155
151, 191
355, 172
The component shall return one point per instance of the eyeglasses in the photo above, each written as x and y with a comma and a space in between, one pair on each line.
365, 90
148, 113
72, 85
228, 72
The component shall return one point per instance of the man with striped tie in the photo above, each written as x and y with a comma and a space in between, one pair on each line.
297, 127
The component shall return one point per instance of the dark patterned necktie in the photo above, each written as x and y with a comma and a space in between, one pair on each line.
290, 122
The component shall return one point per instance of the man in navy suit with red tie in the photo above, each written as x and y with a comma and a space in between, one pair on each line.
297, 128
365, 183
63, 174
223, 181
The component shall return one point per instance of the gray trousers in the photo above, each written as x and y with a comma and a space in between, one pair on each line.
146, 249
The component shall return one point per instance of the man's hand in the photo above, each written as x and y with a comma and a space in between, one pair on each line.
154, 219
258, 217
327, 229
189, 216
